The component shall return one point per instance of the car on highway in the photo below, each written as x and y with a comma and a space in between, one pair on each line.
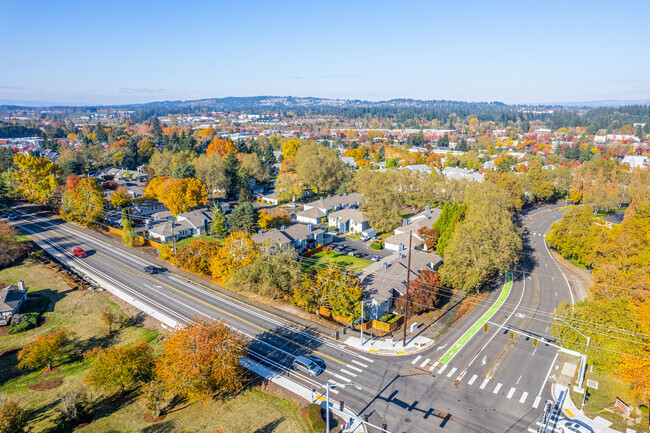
79, 252
307, 365
151, 269
566, 425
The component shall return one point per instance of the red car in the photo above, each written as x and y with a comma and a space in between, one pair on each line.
79, 252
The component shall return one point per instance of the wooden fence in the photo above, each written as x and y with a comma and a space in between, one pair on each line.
140, 238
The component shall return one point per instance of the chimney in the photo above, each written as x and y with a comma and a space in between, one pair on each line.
21, 285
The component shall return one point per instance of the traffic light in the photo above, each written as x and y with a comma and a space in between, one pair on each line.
341, 405
485, 328
534, 342
511, 336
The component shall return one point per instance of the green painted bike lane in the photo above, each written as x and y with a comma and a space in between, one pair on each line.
479, 323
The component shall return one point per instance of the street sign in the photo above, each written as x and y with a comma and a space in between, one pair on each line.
534, 342
511, 336
485, 328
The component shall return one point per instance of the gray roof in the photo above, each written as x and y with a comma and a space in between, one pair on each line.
275, 236
312, 213
301, 231
349, 214
197, 216
462, 173
423, 219
380, 283
10, 297
335, 201
164, 227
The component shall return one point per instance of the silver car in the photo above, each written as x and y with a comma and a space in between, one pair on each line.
306, 365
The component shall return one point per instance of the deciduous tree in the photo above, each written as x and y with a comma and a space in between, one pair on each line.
10, 249
36, 177
288, 186
270, 219
83, 201
321, 167
45, 350
237, 251
201, 359
120, 367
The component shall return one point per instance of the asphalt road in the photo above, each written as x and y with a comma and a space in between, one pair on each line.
492, 384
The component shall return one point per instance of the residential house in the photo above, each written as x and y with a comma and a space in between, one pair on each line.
311, 216
192, 223
348, 221
400, 240
385, 281
199, 219
301, 237
461, 173
271, 199
165, 230
636, 161
11, 299
336, 202
348, 160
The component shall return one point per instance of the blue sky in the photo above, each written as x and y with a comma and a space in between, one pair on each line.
136, 51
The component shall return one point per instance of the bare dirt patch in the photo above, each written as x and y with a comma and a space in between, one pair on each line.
4, 330
46, 385
150, 418
54, 370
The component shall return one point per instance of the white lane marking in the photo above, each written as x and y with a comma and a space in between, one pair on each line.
441, 347
547, 374
360, 363
354, 368
531, 430
434, 366
536, 402
451, 372
442, 369
523, 397
471, 381
484, 360
416, 360
510, 393
496, 388
518, 380
338, 376
365, 359
534, 352
425, 362
484, 384
348, 373
460, 376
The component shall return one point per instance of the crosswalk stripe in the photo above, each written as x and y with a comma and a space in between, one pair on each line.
331, 390
365, 359
425, 362
536, 402
433, 366
496, 388
416, 359
510, 393
354, 368
523, 397
338, 376
348, 373
471, 381
452, 371
360, 363
442, 369
484, 384
531, 430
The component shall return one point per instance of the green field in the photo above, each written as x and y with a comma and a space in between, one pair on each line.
187, 241
322, 260
79, 311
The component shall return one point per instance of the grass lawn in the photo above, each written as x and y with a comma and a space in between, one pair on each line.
192, 239
321, 260
79, 311
578, 263
605, 396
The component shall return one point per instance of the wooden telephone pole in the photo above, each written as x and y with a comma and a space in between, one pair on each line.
408, 286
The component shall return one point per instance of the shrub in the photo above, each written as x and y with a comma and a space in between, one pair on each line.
643, 408
377, 246
23, 322
13, 418
316, 418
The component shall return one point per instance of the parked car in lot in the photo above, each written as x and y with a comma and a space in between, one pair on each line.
292, 205
359, 255
364, 238
306, 365
347, 249
375, 258
151, 269
12, 216
79, 252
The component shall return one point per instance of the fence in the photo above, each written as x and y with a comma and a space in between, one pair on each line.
140, 238
388, 326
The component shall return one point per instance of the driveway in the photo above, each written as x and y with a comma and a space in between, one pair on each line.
363, 247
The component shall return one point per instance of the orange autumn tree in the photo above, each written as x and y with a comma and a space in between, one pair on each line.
178, 195
201, 360
237, 251
220, 147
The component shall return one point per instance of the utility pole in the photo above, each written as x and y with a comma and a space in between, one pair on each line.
362, 323
408, 286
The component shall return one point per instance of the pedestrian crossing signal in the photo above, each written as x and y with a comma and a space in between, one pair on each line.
485, 328
511, 336
534, 342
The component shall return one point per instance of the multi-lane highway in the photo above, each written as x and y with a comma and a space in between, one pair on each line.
487, 383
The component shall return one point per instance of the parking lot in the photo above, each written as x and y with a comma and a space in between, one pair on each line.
362, 247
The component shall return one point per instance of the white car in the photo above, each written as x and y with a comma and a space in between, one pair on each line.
292, 205
566, 425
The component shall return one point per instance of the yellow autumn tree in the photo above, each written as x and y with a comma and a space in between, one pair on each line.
35, 177
237, 251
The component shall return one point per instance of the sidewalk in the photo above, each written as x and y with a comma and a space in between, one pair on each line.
570, 410
388, 346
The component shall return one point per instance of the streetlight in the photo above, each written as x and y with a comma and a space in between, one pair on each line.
327, 404
584, 356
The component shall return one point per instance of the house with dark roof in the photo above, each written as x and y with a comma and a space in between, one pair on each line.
192, 223
11, 299
385, 281
301, 237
